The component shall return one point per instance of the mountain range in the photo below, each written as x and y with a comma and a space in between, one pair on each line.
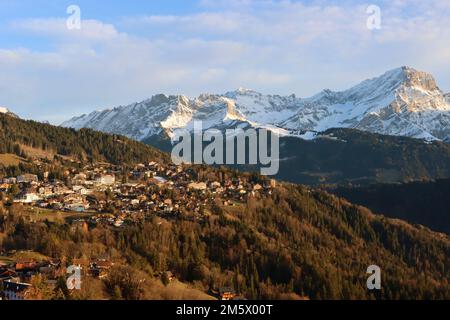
401, 102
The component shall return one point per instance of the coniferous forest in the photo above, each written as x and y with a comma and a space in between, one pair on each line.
293, 243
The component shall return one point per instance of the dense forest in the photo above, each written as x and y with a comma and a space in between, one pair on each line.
348, 156
424, 203
81, 145
342, 156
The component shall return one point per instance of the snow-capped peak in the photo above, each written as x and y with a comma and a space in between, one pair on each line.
4, 110
242, 90
402, 101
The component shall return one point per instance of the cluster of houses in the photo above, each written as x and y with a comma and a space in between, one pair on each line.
16, 284
111, 195
168, 190
15, 278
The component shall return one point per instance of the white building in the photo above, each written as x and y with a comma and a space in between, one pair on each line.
197, 186
28, 198
27, 178
106, 179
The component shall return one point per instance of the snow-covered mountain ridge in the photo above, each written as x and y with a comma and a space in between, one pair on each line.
401, 102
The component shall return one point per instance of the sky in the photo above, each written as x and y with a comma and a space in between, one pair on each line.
127, 51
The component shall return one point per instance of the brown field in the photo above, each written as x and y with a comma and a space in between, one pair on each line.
8, 159
37, 153
42, 214
23, 255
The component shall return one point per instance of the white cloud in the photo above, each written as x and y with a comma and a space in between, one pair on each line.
273, 46
91, 30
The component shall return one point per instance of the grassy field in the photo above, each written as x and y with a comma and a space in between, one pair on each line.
42, 214
23, 256
6, 260
8, 159
37, 153
28, 255
176, 290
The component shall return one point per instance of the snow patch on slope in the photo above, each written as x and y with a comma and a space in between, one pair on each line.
4, 110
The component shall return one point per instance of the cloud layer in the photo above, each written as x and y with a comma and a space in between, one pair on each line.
273, 46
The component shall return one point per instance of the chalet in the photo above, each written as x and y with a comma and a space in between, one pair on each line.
80, 263
26, 266
61, 189
118, 223
7, 274
73, 198
15, 290
27, 178
135, 202
11, 180
137, 175
105, 179
153, 164
197, 186
56, 205
257, 187
76, 207
215, 185
227, 293
100, 268
28, 198
43, 204
159, 180
45, 190
79, 179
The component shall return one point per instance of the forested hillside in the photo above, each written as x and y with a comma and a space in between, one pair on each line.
293, 242
296, 243
81, 145
425, 203
343, 156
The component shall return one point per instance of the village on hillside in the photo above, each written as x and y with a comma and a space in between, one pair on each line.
103, 194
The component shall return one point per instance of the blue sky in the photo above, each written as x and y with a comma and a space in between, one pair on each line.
127, 51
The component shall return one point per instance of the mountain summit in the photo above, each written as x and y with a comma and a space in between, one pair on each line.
401, 102
5, 110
